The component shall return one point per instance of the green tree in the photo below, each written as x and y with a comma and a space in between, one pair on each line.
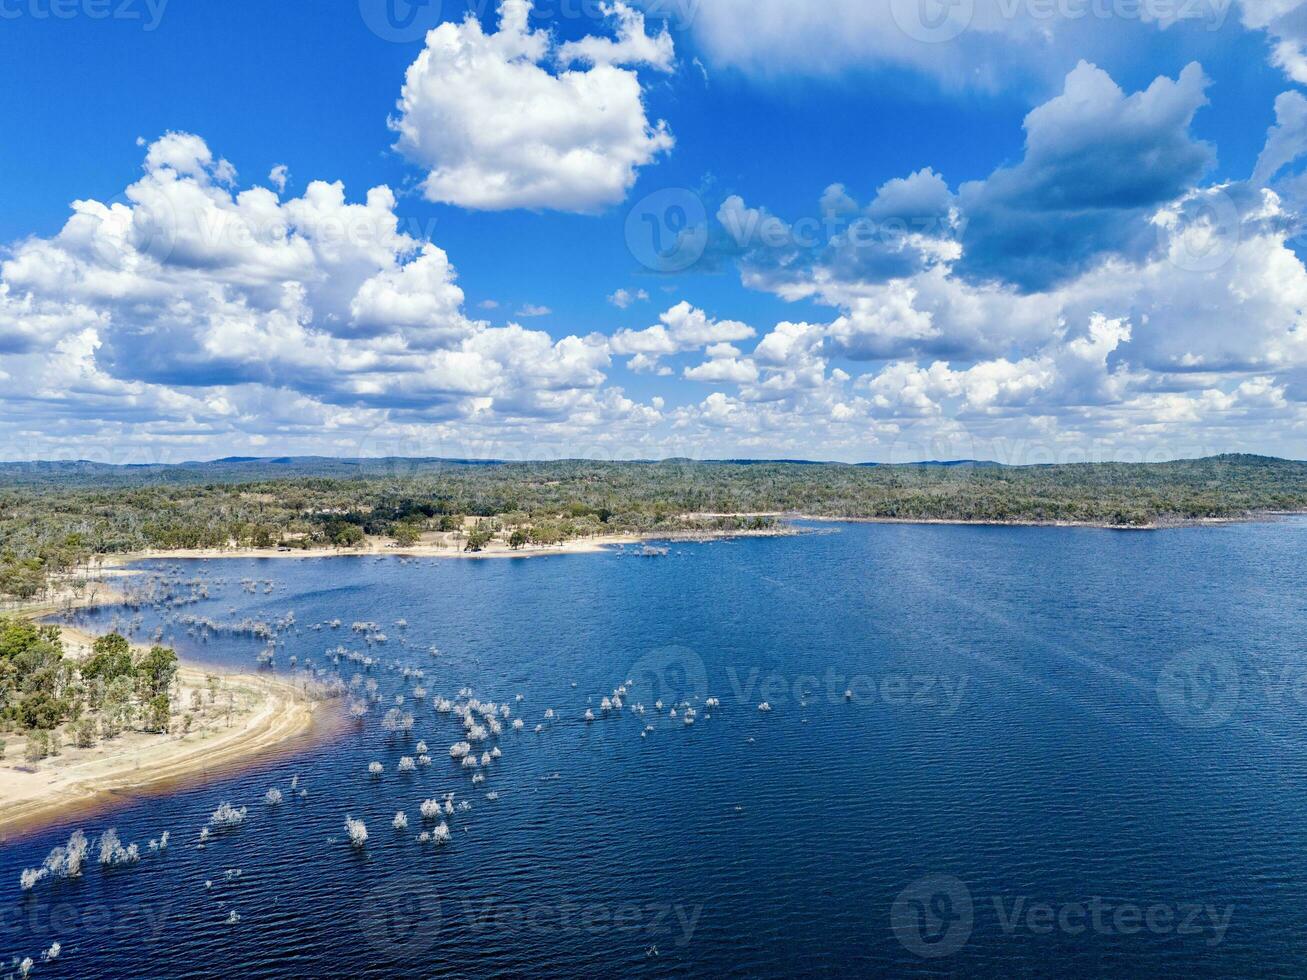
347, 536
38, 746
478, 539
41, 711
517, 539
158, 710
117, 706
155, 672
18, 635
405, 534
111, 656
84, 733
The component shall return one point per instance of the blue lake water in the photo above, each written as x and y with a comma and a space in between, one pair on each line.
1067, 751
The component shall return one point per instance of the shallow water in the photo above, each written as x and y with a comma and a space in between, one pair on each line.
1069, 751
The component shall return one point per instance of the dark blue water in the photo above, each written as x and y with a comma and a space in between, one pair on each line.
1069, 752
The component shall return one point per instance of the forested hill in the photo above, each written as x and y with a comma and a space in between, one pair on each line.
52, 515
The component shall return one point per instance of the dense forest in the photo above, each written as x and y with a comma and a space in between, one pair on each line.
54, 517
111, 691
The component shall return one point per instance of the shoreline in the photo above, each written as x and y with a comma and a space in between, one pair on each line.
1266, 517
276, 718
496, 550
116, 565
1261, 517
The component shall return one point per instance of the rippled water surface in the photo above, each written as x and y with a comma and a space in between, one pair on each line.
1066, 751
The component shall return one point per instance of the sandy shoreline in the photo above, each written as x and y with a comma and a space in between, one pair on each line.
1264, 516
269, 715
494, 550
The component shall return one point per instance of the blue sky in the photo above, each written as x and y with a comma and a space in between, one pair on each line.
1041, 313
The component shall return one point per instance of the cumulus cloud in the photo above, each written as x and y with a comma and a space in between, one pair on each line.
1090, 288
632, 46
723, 365
980, 44
187, 299
495, 128
1097, 163
910, 226
1285, 23
680, 328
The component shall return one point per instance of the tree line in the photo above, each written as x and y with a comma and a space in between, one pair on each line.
47, 694
60, 522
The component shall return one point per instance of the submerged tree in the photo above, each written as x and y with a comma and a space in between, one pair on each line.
357, 831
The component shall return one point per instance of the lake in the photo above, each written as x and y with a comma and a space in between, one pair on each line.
990, 751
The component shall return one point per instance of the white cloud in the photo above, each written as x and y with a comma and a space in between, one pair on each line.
624, 298
1285, 24
1115, 326
192, 299
680, 328
979, 44
633, 46
1286, 140
496, 129
725, 368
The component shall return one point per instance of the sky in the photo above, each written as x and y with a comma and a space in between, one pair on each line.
1022, 230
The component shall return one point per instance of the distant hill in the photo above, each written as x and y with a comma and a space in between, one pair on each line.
242, 469
53, 515
229, 469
